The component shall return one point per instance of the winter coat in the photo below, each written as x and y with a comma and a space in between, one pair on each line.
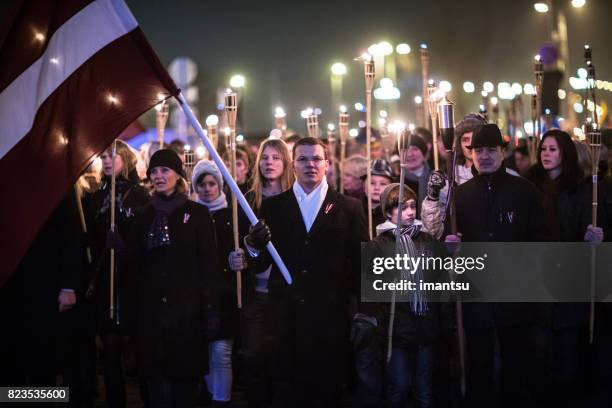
409, 330
568, 212
377, 216
309, 320
498, 207
226, 278
129, 197
175, 293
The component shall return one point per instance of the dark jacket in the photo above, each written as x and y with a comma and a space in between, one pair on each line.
409, 330
377, 216
499, 207
174, 292
226, 278
129, 197
309, 319
568, 212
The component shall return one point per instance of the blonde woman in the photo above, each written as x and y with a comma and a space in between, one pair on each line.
272, 172
272, 175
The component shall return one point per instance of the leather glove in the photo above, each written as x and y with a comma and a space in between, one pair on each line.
237, 260
436, 182
362, 331
259, 235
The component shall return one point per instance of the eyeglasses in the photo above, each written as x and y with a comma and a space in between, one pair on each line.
304, 160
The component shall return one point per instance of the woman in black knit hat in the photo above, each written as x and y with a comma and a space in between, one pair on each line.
174, 255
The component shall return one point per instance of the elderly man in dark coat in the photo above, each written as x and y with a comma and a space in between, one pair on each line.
495, 206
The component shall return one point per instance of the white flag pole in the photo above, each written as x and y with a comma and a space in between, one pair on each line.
230, 182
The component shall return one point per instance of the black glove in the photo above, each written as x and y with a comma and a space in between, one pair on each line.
259, 235
436, 182
362, 331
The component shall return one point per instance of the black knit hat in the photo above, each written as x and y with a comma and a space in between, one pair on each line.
488, 135
418, 142
166, 158
380, 167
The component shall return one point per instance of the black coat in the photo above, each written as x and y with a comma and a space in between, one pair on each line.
409, 330
499, 207
309, 319
174, 292
226, 278
129, 197
377, 216
568, 212
31, 323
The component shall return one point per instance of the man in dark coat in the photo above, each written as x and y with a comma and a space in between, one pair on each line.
317, 232
495, 206
45, 284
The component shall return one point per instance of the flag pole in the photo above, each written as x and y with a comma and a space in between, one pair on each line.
403, 142
112, 228
231, 183
161, 118
446, 124
591, 129
231, 110
432, 108
368, 70
343, 125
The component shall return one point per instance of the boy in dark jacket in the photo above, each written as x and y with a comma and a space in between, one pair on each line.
412, 323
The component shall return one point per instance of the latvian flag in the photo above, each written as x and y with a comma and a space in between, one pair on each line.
74, 74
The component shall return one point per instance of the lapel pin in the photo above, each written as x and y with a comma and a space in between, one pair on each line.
186, 218
329, 207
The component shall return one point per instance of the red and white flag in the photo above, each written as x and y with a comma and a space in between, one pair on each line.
74, 75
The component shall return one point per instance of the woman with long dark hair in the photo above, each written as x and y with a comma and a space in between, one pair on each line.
560, 328
174, 255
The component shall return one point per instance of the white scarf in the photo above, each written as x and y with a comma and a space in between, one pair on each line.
310, 204
216, 204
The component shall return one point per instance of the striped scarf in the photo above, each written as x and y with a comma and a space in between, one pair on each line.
405, 246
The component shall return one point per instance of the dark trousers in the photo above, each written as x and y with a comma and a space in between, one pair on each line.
255, 344
172, 393
78, 354
557, 356
411, 369
514, 351
369, 370
114, 381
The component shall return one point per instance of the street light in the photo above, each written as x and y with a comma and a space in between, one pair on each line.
237, 81
402, 49
578, 3
338, 68
540, 7
468, 87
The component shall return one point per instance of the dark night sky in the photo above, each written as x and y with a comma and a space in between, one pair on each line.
285, 48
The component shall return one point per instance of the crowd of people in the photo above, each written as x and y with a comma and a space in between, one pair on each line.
170, 312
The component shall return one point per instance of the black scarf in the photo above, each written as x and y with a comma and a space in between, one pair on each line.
159, 233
